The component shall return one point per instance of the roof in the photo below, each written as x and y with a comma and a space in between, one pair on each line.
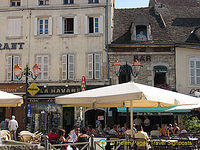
170, 24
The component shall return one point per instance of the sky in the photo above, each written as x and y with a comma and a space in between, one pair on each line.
131, 3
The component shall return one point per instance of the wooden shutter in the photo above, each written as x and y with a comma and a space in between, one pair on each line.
86, 25
18, 26
149, 36
133, 32
50, 26
71, 66
90, 66
97, 66
101, 24
16, 61
35, 26
64, 67
60, 25
76, 25
39, 63
9, 67
46, 67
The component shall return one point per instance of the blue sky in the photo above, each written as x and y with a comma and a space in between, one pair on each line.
131, 3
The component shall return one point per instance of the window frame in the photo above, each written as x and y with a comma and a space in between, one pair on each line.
42, 67
44, 25
93, 64
10, 67
64, 26
66, 70
93, 1
194, 68
16, 2
45, 2
68, 2
94, 25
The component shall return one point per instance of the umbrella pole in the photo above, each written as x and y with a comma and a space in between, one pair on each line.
131, 116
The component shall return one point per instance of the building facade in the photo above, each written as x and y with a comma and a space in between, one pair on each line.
66, 38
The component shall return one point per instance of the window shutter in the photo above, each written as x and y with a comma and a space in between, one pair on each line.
16, 61
97, 66
18, 26
197, 70
39, 63
10, 27
64, 67
133, 32
60, 25
86, 25
149, 36
90, 66
192, 72
101, 24
71, 66
36, 26
76, 25
50, 26
9, 67
46, 67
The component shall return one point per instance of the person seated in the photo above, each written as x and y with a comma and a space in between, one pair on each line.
53, 136
124, 128
176, 129
99, 129
170, 130
141, 36
114, 131
163, 131
61, 136
91, 131
106, 130
83, 137
130, 132
154, 132
183, 130
73, 135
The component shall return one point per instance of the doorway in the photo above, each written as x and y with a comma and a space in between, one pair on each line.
68, 119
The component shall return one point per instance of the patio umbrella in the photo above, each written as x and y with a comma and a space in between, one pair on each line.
131, 94
185, 107
10, 100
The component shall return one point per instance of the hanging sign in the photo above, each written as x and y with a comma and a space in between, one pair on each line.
83, 84
33, 89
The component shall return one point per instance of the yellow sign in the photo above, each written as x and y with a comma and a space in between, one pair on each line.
33, 89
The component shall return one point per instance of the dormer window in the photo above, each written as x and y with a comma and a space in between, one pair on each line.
141, 33
43, 2
14, 3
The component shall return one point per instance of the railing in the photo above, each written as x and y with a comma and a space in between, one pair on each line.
80, 145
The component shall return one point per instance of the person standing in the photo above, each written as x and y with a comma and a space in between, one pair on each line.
12, 126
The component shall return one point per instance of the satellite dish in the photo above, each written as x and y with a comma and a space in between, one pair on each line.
197, 94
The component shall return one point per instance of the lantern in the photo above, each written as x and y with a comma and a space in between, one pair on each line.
136, 67
36, 70
17, 70
117, 66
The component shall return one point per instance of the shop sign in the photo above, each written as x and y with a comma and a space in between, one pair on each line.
153, 113
83, 84
33, 89
142, 58
13, 88
100, 117
11, 46
103, 143
41, 100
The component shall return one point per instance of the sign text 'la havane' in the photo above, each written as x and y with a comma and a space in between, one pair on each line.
11, 46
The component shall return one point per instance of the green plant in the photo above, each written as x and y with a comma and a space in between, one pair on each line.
192, 123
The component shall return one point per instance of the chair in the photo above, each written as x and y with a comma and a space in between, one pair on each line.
5, 135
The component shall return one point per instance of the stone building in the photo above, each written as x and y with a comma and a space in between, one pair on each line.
153, 36
66, 38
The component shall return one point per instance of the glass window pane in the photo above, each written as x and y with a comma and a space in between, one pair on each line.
192, 64
198, 72
197, 64
192, 80
192, 72
198, 80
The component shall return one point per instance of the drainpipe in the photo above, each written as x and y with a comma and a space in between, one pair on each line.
106, 43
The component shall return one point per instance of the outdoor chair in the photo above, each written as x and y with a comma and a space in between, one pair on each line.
5, 135
26, 136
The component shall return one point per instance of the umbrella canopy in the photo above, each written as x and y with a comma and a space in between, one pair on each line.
184, 107
10, 100
130, 94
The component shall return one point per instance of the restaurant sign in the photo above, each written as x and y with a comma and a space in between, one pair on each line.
11, 46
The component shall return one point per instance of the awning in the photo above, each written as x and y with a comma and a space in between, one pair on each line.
161, 69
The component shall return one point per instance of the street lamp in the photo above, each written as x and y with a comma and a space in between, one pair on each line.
27, 73
133, 71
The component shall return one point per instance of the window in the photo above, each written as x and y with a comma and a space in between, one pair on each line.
68, 25
14, 27
14, 3
65, 2
195, 71
141, 32
43, 63
43, 26
43, 2
93, 1
94, 24
68, 67
94, 66
11, 62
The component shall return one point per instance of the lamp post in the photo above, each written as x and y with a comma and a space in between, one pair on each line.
134, 71
19, 73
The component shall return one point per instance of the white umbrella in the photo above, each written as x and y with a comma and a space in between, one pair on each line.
10, 100
184, 107
117, 95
